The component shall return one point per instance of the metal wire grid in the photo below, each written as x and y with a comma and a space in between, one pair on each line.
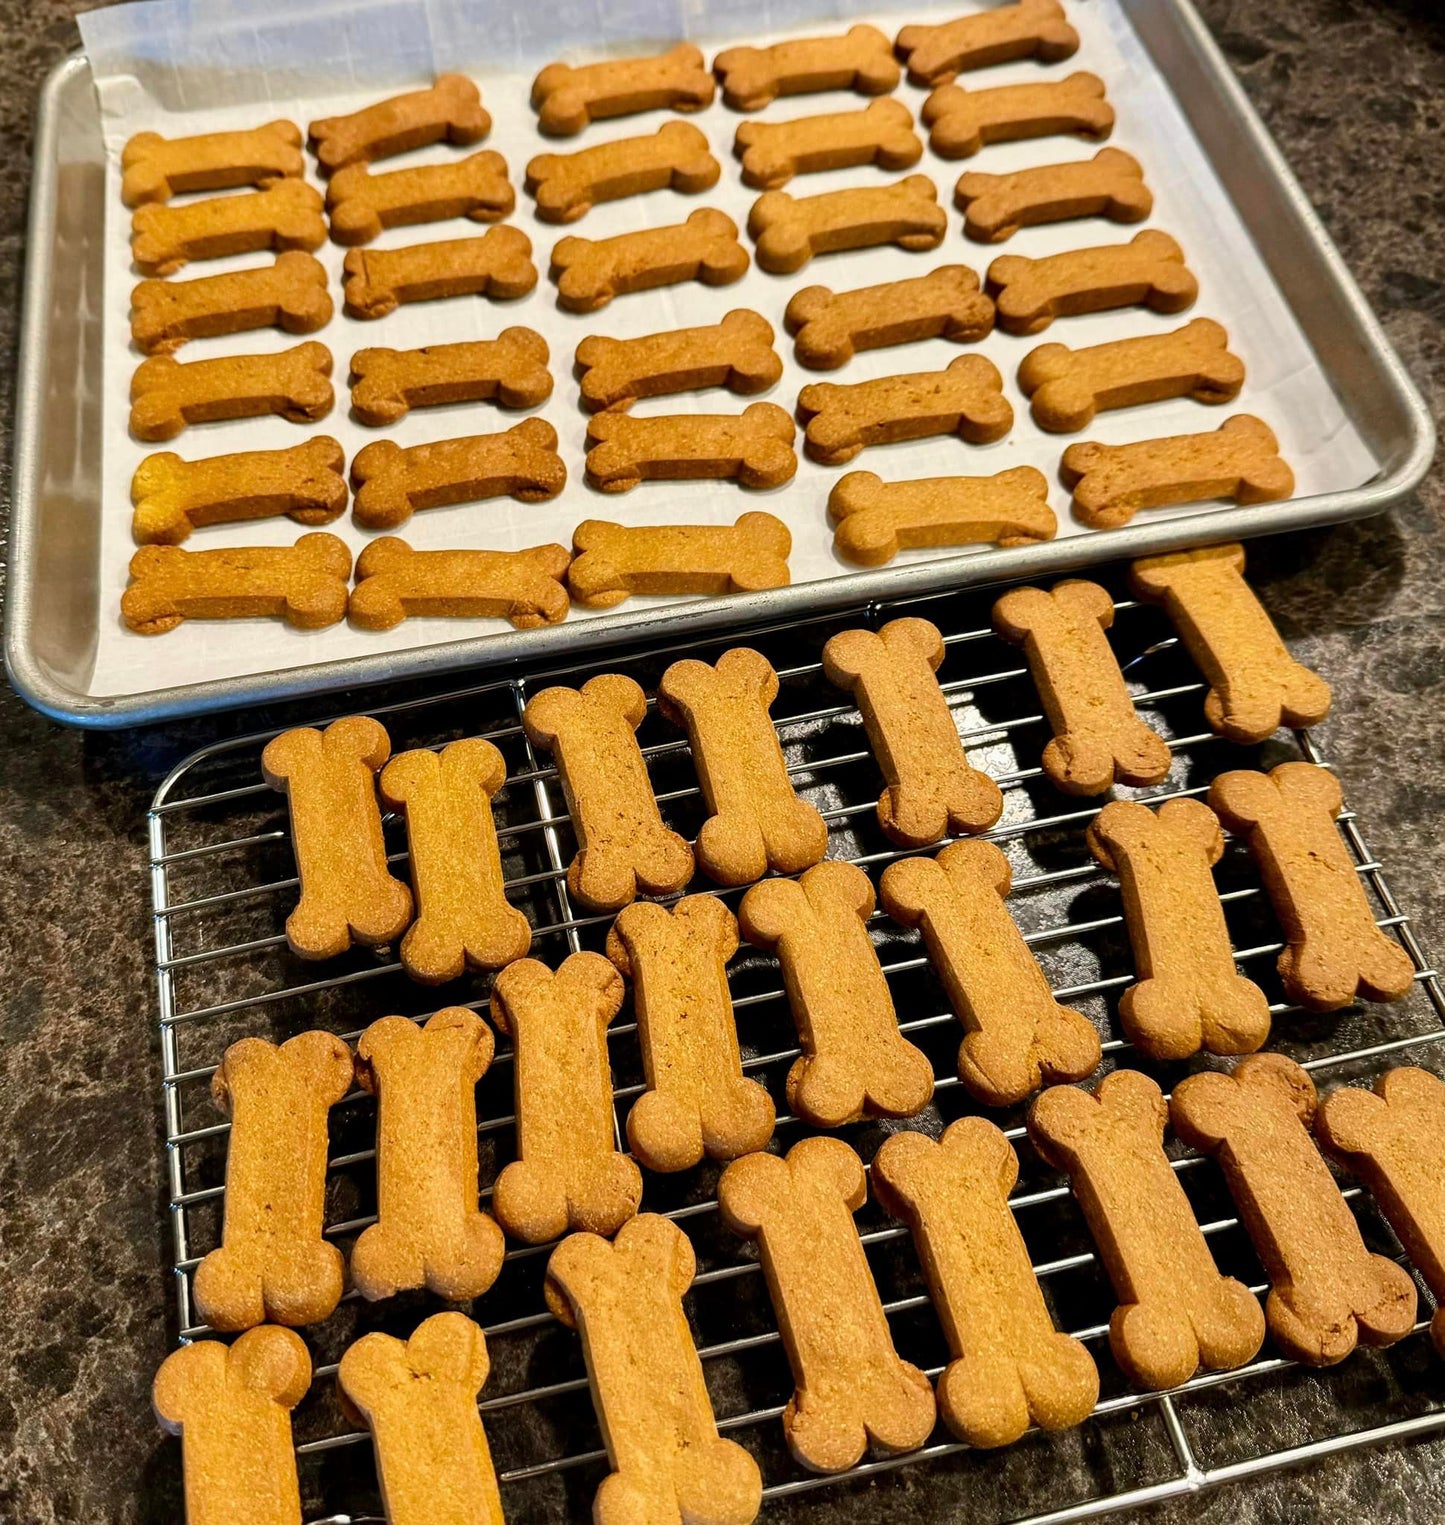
222, 884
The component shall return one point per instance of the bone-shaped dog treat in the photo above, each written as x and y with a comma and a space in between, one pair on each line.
1028, 29
450, 110
590, 272
881, 133
463, 920
1010, 1367
753, 448
966, 399
231, 1405
859, 59
1098, 739
1240, 460
1394, 1138
625, 1300
755, 821
429, 1232
418, 1397
568, 1173
166, 395
394, 582
622, 845
386, 384
286, 215
154, 168
612, 561
303, 584
963, 121
172, 497
361, 204
347, 894
1189, 995
854, 1060
1255, 685
1069, 386
788, 231
1176, 1312
830, 328
697, 1101
568, 186
995, 207
1334, 951
852, 1387
497, 265
1326, 1290
875, 519
737, 354
567, 97
289, 294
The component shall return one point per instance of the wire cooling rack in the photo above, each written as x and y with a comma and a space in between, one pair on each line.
223, 881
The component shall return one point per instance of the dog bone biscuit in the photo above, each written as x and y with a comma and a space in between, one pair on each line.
289, 294
568, 186
880, 133
1098, 739
1189, 995
1394, 1138
590, 272
854, 1060
852, 1387
510, 370
737, 354
418, 1397
1176, 1312
753, 448
829, 329
568, 1173
498, 265
463, 920
394, 582
154, 168
622, 845
347, 892
449, 111
697, 1101
1010, 1368
167, 395
1240, 460
859, 59
965, 399
567, 97
172, 497
963, 121
286, 215
361, 204
788, 231
303, 584
1326, 1290
1334, 951
1028, 29
625, 1300
273, 1265
995, 207
755, 820
430, 1231
1255, 685
874, 520
231, 1405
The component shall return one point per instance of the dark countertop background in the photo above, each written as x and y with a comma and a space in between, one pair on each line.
1354, 91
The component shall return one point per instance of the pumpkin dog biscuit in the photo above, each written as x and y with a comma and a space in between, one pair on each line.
286, 215
753, 448
154, 168
737, 354
289, 294
386, 384
788, 231
963, 121
497, 265
852, 1387
880, 133
449, 111
360, 204
859, 59
567, 97
590, 272
1326, 1290
567, 186
394, 582
1010, 1367
1028, 29
166, 395
615, 560
995, 207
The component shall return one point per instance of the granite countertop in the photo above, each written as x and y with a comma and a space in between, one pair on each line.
1354, 91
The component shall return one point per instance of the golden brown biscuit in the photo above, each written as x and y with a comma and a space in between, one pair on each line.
394, 582
995, 207
1027, 29
289, 294
737, 354
859, 59
963, 121
881, 133
286, 215
167, 395
788, 231
753, 448
361, 204
567, 97
567, 186
852, 1387
498, 265
386, 384
154, 168
449, 111
613, 561
854, 1060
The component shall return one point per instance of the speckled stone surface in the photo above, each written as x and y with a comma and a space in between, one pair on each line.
1354, 90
